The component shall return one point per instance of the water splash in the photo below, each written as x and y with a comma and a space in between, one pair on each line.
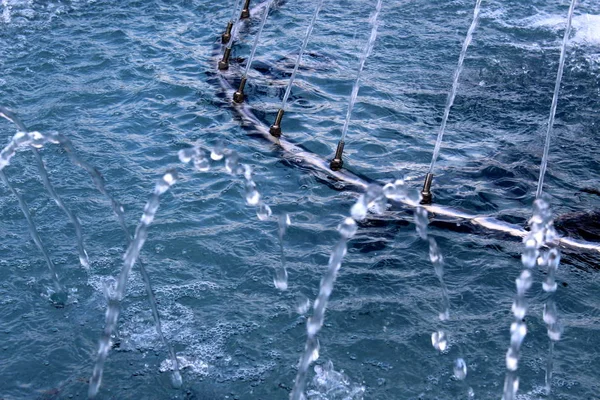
288, 90
363, 58
35, 140
329, 384
115, 297
561, 66
374, 198
6, 17
541, 233
452, 94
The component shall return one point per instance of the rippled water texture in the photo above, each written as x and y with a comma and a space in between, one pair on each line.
133, 82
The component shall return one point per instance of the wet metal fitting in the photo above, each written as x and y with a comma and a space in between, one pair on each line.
275, 129
246, 10
238, 96
337, 163
226, 36
426, 192
224, 62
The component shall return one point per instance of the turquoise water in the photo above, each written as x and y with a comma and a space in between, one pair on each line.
131, 83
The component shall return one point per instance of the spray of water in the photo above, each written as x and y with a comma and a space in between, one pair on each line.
452, 94
374, 198
257, 38
235, 13
541, 233
116, 294
309, 30
363, 58
561, 66
439, 339
35, 140
201, 162
6, 17
83, 256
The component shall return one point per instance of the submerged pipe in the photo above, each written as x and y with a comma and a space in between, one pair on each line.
298, 155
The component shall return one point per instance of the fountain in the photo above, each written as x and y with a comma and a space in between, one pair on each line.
382, 355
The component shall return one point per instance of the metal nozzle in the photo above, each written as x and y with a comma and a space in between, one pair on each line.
426, 192
226, 36
246, 10
337, 163
224, 62
275, 129
238, 96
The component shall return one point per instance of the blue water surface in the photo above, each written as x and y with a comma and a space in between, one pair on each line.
133, 82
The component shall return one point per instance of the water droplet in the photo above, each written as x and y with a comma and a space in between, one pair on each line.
359, 209
512, 359
186, 155
302, 304
264, 212
550, 313
460, 369
421, 222
231, 163
524, 281
348, 228
439, 341
201, 163
518, 331
217, 152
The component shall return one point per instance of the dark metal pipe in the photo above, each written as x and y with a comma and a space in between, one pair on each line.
226, 36
337, 163
238, 96
246, 10
275, 129
426, 192
224, 62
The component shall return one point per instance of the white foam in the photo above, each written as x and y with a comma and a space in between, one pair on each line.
586, 27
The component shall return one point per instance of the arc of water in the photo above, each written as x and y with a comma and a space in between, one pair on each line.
83, 256
542, 233
131, 256
561, 66
36, 139
426, 192
257, 38
309, 30
60, 293
337, 162
365, 53
375, 197
252, 195
452, 94
275, 129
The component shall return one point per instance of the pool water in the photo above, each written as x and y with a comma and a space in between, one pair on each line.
131, 83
